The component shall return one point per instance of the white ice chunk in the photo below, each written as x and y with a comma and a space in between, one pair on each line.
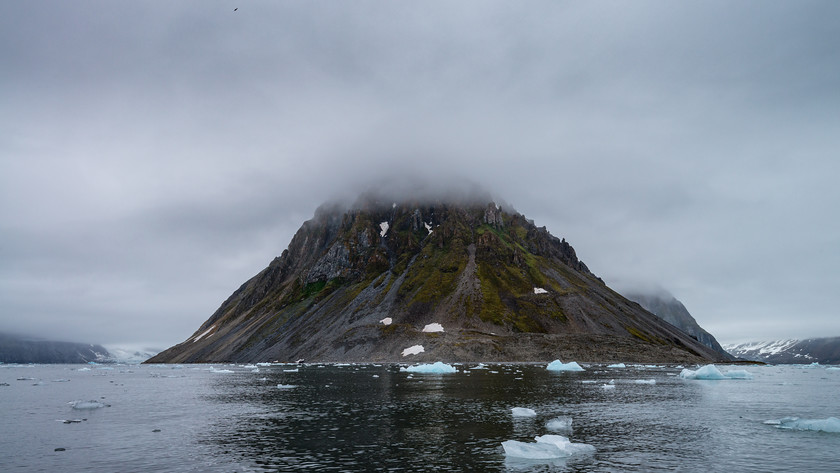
86, 404
413, 350
832, 368
522, 412
608, 386
539, 290
434, 327
435, 368
480, 366
292, 371
531, 451
547, 447
220, 371
831, 424
711, 372
645, 381
384, 226
617, 365
558, 365
559, 424
386, 321
286, 386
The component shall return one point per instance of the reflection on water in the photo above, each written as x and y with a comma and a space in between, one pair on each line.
376, 418
344, 418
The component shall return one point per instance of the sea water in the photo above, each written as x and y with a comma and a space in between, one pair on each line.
372, 417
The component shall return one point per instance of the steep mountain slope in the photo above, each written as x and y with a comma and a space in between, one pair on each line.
668, 308
502, 289
825, 351
16, 349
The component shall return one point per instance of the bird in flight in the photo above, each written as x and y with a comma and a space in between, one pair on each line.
237, 8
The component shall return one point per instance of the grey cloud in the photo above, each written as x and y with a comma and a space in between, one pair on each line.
154, 157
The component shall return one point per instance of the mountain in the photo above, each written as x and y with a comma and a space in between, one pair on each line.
18, 349
668, 308
825, 351
361, 284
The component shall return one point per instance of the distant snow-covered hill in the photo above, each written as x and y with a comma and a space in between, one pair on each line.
819, 350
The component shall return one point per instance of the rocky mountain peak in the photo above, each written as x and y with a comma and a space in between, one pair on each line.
482, 270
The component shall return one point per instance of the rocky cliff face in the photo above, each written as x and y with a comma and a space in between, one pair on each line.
502, 289
16, 349
665, 306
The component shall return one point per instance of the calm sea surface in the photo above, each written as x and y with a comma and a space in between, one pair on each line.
378, 418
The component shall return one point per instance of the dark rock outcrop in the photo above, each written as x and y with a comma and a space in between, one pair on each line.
16, 349
502, 288
668, 308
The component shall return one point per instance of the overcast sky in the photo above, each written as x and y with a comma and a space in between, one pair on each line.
155, 155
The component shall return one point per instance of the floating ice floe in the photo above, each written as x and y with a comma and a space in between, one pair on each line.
386, 321
82, 405
413, 350
286, 386
558, 365
610, 385
645, 381
292, 371
547, 447
711, 372
522, 412
480, 366
436, 367
434, 327
539, 290
221, 371
833, 368
617, 365
559, 424
384, 227
831, 424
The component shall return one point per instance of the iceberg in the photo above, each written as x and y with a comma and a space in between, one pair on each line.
559, 424
436, 367
413, 350
435, 327
523, 412
617, 365
831, 424
83, 405
738, 374
547, 447
710, 372
558, 365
